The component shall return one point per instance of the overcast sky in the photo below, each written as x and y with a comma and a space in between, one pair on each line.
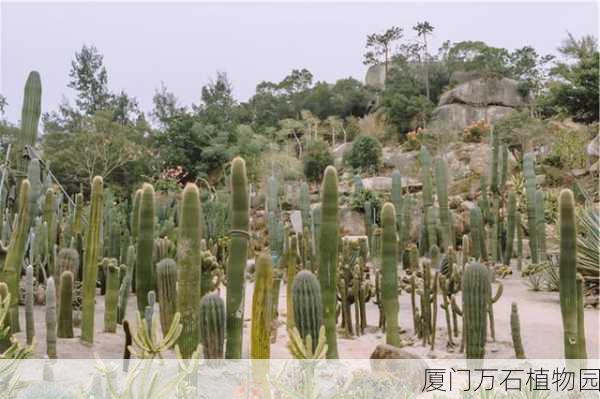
184, 44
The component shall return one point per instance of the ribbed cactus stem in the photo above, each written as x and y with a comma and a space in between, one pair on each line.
397, 200
67, 260
111, 298
126, 283
515, 329
135, 215
568, 273
292, 265
441, 182
308, 306
51, 318
30, 117
476, 293
495, 160
144, 269
580, 319
166, 282
530, 190
90, 263
238, 256
477, 233
389, 265
188, 275
50, 220
65, 307
425, 158
540, 220
260, 342
328, 252
519, 229
212, 325
510, 227
11, 271
29, 318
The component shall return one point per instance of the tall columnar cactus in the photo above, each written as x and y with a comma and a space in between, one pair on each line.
425, 158
29, 318
50, 318
580, 319
111, 298
494, 164
188, 275
328, 252
65, 306
540, 221
90, 262
11, 271
510, 227
519, 228
477, 234
30, 118
530, 190
308, 306
212, 325
568, 273
49, 218
441, 182
126, 283
476, 293
34, 177
238, 256
67, 260
431, 228
390, 274
503, 167
292, 264
515, 330
135, 215
144, 269
397, 200
260, 343
166, 282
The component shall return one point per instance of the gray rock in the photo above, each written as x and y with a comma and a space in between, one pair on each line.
458, 116
352, 222
378, 183
593, 148
375, 76
385, 351
484, 92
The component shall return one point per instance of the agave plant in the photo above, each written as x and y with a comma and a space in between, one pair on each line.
588, 242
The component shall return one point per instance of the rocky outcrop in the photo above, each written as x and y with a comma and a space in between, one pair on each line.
477, 99
375, 76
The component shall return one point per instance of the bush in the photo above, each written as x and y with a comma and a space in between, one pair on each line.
316, 158
365, 153
475, 132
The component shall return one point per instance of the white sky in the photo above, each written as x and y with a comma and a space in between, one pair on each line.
184, 44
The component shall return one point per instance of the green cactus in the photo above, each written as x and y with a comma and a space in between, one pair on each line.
510, 227
260, 340
30, 117
11, 271
580, 319
476, 292
477, 234
166, 282
126, 283
212, 325
308, 306
441, 183
189, 273
90, 262
328, 252
515, 330
397, 200
49, 218
51, 318
494, 186
144, 267
29, 318
111, 298
568, 273
135, 215
67, 260
33, 175
540, 220
238, 256
425, 158
65, 307
483, 202
291, 264
503, 167
390, 277
519, 229
530, 190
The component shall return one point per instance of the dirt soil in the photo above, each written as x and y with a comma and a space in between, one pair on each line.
541, 329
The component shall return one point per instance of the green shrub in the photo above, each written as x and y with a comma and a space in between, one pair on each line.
365, 154
316, 158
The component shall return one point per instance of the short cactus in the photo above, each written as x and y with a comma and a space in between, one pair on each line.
166, 282
515, 329
212, 325
65, 308
29, 318
51, 318
308, 306
260, 343
111, 298
476, 293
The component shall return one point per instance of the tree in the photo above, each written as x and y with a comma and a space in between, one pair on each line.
90, 79
165, 105
423, 29
379, 47
3, 104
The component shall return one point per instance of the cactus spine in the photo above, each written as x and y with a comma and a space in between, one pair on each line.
530, 190
90, 263
260, 344
111, 298
29, 318
441, 182
390, 274
515, 329
238, 255
308, 306
65, 307
212, 325
568, 273
166, 282
328, 252
510, 228
11, 272
188, 275
144, 270
476, 293
51, 318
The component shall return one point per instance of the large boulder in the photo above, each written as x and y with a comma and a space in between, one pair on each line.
375, 76
457, 115
485, 92
352, 222
593, 148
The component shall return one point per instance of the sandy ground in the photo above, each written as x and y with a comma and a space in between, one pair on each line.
541, 329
